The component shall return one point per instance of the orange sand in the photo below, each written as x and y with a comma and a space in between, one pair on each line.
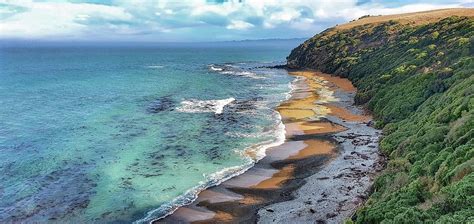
347, 115
304, 107
316, 127
309, 75
339, 82
277, 179
333, 81
296, 113
221, 216
315, 147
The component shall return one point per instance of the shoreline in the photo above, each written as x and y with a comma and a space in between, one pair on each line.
334, 193
316, 117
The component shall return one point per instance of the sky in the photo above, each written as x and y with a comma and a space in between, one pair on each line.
190, 20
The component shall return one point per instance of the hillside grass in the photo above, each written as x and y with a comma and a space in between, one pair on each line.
412, 19
419, 83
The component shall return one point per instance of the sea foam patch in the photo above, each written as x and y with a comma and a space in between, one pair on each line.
228, 69
215, 68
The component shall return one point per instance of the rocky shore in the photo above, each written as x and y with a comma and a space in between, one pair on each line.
332, 194
321, 173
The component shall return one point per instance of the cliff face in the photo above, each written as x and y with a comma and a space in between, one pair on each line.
418, 79
333, 51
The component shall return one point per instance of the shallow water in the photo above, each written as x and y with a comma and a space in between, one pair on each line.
126, 133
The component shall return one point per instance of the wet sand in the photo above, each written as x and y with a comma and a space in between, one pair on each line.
321, 125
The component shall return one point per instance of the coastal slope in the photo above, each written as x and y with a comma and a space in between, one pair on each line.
415, 73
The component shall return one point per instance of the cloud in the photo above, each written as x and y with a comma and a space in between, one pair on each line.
58, 19
285, 15
239, 25
193, 20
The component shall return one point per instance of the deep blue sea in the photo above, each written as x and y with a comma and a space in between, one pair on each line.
124, 133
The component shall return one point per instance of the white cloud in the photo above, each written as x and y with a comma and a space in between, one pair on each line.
285, 16
239, 25
194, 18
304, 24
200, 8
44, 19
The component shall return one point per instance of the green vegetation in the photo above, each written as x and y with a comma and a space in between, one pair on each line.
419, 83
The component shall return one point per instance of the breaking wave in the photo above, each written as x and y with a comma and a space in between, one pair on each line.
233, 70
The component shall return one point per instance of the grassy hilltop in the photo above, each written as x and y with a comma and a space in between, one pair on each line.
415, 72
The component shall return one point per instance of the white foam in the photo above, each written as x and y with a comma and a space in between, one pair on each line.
260, 149
233, 70
249, 75
155, 66
293, 85
246, 74
242, 135
204, 106
215, 68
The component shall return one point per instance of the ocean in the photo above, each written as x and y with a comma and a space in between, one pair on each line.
126, 133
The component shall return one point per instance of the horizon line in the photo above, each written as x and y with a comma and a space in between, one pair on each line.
80, 41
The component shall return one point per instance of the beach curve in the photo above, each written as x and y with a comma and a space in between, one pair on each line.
321, 125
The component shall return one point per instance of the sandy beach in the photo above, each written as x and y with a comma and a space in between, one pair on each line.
321, 173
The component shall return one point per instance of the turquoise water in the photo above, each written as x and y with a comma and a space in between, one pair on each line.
128, 133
